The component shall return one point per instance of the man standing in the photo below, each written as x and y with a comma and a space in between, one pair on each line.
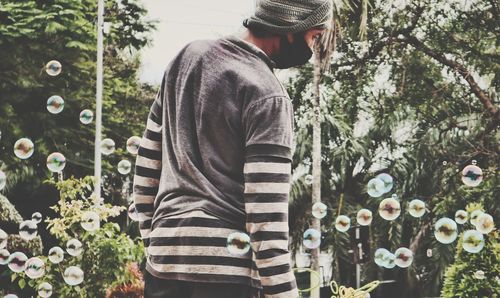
215, 159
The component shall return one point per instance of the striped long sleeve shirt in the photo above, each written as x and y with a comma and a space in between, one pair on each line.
214, 159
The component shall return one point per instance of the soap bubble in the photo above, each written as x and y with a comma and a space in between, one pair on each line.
132, 212
24, 148
36, 217
124, 167
473, 241
55, 104
17, 262
389, 260
364, 217
56, 255
90, 221
28, 230
387, 180
461, 217
416, 208
3, 180
380, 257
445, 162
35, 268
474, 216
56, 162
86, 116
10, 296
479, 274
342, 223
389, 209
133, 144
308, 179
375, 187
73, 275
472, 175
485, 223
319, 210
238, 243
53, 68
429, 252
74, 247
107, 146
3, 239
45, 290
404, 257
4, 256
445, 230
311, 238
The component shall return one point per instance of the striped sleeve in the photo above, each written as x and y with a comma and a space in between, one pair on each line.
267, 172
148, 169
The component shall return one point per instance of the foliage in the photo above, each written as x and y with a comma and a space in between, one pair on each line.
460, 278
402, 103
105, 251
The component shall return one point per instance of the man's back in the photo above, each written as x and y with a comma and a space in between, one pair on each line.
220, 116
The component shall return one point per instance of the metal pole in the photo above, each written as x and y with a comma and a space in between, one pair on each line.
98, 114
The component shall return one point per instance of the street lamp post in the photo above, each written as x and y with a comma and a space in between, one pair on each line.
99, 84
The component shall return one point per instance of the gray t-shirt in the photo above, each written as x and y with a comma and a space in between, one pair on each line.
208, 90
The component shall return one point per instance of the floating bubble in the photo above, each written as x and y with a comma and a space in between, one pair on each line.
416, 208
45, 290
56, 255
429, 252
342, 223
17, 262
73, 275
389, 260
86, 116
132, 212
28, 230
311, 238
485, 223
56, 162
387, 180
53, 68
461, 217
473, 241
10, 296
445, 230
4, 256
36, 217
364, 217
133, 144
375, 187
3, 239
389, 209
107, 146
3, 180
479, 274
380, 257
474, 216
404, 257
24, 148
319, 210
90, 221
445, 162
308, 179
238, 243
472, 175
35, 268
124, 167
474, 162
74, 247
55, 104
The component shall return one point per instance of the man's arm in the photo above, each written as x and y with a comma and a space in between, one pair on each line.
268, 126
148, 169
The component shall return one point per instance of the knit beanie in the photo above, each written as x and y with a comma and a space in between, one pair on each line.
290, 16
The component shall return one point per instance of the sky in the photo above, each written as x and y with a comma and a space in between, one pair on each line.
183, 21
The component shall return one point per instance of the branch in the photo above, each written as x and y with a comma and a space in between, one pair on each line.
480, 94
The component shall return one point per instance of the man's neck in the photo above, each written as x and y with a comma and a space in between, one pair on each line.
268, 44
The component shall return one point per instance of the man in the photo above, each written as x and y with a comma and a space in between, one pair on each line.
215, 159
